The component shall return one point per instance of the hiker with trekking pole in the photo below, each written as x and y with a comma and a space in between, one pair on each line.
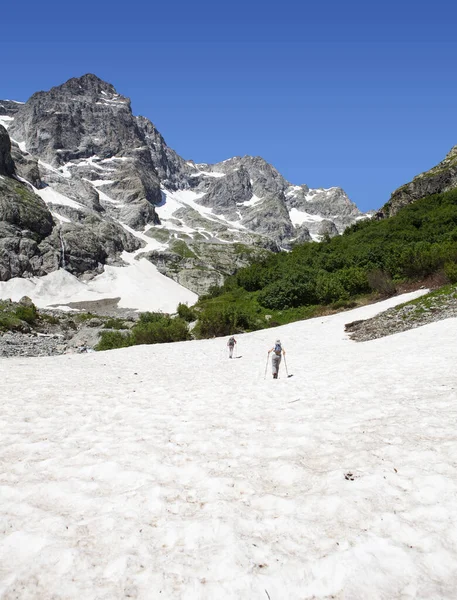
278, 352
231, 345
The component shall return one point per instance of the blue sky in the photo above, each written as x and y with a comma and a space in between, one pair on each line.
340, 94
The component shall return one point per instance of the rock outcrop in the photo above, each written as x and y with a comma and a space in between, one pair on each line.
441, 178
6, 162
110, 183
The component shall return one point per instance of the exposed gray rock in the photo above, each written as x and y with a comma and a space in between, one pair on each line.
173, 171
302, 235
86, 122
26, 166
426, 309
6, 162
327, 228
333, 204
441, 178
271, 218
21, 207
227, 192
83, 142
17, 251
198, 265
9, 107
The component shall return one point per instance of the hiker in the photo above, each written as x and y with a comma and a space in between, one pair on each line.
231, 345
277, 350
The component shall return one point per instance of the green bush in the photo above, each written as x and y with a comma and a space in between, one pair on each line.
152, 328
109, 340
287, 293
86, 316
160, 331
450, 269
330, 289
29, 313
151, 317
114, 324
9, 322
50, 319
223, 319
186, 313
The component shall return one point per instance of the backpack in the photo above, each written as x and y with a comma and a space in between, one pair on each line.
231, 341
278, 349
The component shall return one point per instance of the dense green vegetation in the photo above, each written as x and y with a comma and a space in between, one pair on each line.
16, 317
152, 328
371, 259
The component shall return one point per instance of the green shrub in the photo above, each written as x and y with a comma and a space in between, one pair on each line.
9, 322
160, 331
151, 317
223, 319
450, 269
50, 319
287, 293
186, 313
109, 340
114, 324
28, 313
86, 316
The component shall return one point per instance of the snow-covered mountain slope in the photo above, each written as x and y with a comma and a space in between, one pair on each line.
170, 471
95, 163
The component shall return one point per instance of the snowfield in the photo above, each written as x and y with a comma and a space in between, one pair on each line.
172, 472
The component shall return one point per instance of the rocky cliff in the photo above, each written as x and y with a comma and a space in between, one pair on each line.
441, 178
109, 183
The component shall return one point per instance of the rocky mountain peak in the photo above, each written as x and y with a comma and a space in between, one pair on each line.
80, 118
89, 86
112, 184
88, 83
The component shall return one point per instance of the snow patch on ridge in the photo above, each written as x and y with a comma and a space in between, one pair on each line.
5, 120
252, 202
298, 217
139, 285
51, 196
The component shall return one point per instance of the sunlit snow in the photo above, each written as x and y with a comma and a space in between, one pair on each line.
139, 285
298, 217
173, 472
51, 196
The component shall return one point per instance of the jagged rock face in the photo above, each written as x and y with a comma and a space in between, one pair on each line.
94, 163
199, 265
172, 170
441, 178
327, 228
227, 192
24, 222
9, 107
6, 162
31, 243
26, 166
21, 207
79, 119
83, 125
331, 204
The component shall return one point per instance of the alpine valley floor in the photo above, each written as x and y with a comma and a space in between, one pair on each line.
171, 472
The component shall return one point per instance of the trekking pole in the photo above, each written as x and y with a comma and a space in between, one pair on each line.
266, 366
285, 364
